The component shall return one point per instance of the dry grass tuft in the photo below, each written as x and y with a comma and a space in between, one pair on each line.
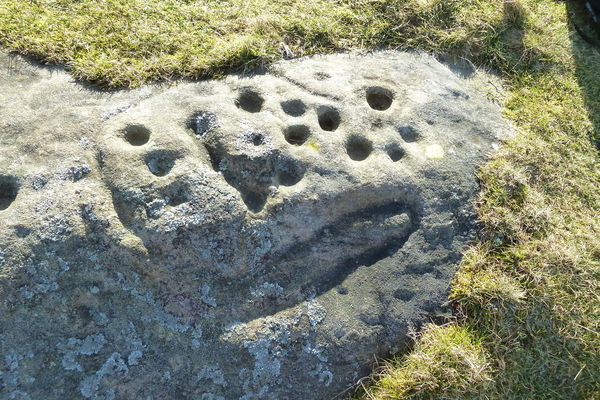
447, 360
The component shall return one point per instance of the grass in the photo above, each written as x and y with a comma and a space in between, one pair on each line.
527, 296
448, 360
118, 43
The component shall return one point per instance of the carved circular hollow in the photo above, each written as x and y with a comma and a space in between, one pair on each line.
296, 134
8, 191
290, 173
329, 118
289, 178
258, 139
409, 133
250, 101
379, 98
255, 200
404, 294
321, 76
294, 108
358, 148
160, 162
395, 152
203, 122
177, 193
137, 135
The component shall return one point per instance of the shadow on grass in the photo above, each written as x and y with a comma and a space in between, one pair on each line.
587, 64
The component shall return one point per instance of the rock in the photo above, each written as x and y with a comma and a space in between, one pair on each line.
257, 237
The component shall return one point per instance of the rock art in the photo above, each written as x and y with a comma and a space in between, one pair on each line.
262, 236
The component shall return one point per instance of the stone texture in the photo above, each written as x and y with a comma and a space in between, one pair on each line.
256, 237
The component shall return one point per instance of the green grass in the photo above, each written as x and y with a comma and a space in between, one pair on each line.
120, 43
527, 295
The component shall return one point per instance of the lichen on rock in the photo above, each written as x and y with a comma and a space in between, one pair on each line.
256, 237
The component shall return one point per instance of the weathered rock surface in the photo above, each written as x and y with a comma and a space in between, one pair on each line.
257, 237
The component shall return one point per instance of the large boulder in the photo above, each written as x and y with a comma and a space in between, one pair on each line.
257, 237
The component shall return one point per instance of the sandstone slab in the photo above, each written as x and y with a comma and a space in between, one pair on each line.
257, 237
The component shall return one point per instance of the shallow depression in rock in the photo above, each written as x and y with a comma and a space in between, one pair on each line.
321, 76
290, 172
395, 152
379, 98
250, 100
257, 139
358, 148
177, 193
404, 294
160, 162
255, 200
203, 122
137, 135
329, 118
8, 191
295, 108
409, 133
296, 134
